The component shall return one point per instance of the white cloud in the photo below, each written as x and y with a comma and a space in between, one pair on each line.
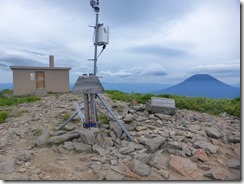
149, 69
213, 29
208, 31
217, 68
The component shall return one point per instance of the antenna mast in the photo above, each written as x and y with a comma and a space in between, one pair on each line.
95, 6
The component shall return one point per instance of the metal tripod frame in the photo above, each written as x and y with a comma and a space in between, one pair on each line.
78, 112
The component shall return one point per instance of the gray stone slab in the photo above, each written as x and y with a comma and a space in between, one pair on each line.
163, 102
162, 105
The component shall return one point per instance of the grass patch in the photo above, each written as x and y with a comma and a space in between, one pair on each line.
66, 117
103, 119
200, 104
7, 98
3, 116
37, 132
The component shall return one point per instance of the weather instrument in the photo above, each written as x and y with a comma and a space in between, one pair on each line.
89, 85
101, 33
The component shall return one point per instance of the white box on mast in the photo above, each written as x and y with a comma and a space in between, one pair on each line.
103, 35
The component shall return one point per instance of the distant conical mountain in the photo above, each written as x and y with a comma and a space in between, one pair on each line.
202, 85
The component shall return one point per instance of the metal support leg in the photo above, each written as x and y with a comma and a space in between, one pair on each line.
116, 119
68, 120
86, 108
92, 108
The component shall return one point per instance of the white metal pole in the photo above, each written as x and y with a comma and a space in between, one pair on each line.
96, 40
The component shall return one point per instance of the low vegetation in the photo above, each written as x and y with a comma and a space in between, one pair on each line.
7, 99
103, 119
3, 116
66, 116
200, 104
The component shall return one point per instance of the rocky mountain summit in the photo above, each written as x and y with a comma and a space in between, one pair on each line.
185, 146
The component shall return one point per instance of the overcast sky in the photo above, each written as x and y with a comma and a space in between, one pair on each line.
151, 41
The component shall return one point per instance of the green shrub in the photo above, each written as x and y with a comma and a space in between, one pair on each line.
103, 119
200, 104
3, 116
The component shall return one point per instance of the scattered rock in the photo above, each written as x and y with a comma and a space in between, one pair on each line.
234, 137
24, 155
131, 126
164, 173
62, 138
218, 174
116, 128
140, 168
159, 160
126, 150
213, 133
155, 143
88, 136
106, 142
114, 162
203, 147
206, 146
99, 150
172, 145
42, 140
7, 166
185, 167
234, 164
82, 166
112, 175
200, 154
81, 147
20, 132
194, 128
68, 145
143, 157
128, 118
199, 117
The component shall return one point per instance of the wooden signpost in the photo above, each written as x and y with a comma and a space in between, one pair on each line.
89, 86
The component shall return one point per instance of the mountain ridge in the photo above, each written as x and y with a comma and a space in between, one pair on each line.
202, 85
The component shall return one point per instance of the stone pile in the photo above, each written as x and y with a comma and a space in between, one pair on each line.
185, 146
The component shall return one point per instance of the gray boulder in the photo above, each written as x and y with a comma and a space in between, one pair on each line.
105, 142
140, 168
81, 147
42, 140
131, 126
213, 133
206, 146
218, 174
128, 118
143, 157
155, 143
117, 129
68, 145
234, 164
126, 150
24, 155
88, 136
64, 137
159, 160
7, 166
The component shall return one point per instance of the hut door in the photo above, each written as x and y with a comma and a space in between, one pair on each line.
40, 80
